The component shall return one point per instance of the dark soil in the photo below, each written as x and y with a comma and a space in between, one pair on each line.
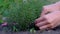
53, 31
37, 32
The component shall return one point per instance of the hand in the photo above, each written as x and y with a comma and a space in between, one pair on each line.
48, 21
50, 8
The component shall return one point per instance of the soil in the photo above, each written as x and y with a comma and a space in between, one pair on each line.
37, 32
54, 31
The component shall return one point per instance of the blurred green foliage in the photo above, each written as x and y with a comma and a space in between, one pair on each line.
23, 12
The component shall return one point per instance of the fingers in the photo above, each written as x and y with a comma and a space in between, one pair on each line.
45, 26
41, 23
39, 20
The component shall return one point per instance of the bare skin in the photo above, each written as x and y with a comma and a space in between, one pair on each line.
50, 17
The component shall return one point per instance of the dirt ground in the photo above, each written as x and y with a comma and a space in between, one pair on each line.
37, 32
57, 31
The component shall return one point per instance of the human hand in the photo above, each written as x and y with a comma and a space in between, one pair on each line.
50, 8
48, 21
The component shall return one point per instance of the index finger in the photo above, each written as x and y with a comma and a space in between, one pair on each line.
39, 20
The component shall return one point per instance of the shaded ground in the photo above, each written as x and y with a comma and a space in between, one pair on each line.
55, 31
38, 32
